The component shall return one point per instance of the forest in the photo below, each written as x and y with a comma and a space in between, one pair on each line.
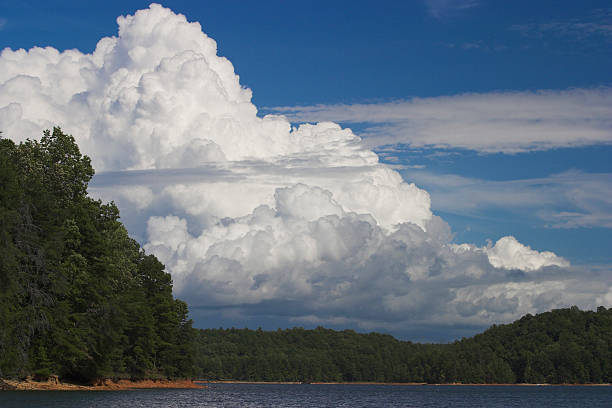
561, 346
80, 299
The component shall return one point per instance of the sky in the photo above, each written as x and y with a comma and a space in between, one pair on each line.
423, 168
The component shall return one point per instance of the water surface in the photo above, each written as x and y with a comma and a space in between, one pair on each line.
285, 395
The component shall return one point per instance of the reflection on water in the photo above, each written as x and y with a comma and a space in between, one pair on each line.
276, 395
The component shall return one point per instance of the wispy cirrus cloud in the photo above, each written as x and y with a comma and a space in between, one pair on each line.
476, 45
571, 199
508, 122
597, 23
445, 8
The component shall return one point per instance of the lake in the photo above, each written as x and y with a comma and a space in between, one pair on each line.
282, 395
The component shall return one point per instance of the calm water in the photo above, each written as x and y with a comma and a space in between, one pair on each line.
255, 395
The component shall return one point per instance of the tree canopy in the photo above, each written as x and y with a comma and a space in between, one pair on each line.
78, 297
561, 346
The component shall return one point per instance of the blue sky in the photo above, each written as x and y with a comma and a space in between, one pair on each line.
500, 110
321, 52
360, 51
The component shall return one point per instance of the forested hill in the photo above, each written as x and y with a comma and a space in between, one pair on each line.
78, 297
561, 346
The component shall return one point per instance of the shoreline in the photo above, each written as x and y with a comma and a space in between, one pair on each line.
400, 384
53, 384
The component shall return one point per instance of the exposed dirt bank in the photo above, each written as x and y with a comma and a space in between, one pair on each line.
53, 384
248, 382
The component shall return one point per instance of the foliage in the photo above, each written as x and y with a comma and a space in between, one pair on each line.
561, 346
78, 297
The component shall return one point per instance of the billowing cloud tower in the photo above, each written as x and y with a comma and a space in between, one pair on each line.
250, 214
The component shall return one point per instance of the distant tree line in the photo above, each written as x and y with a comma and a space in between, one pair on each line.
561, 346
78, 297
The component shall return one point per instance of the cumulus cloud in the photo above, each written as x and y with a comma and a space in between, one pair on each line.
508, 253
250, 214
508, 122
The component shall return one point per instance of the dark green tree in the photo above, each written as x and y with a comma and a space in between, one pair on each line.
78, 297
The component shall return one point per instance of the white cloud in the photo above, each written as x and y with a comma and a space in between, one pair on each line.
605, 299
508, 253
585, 197
508, 122
250, 214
